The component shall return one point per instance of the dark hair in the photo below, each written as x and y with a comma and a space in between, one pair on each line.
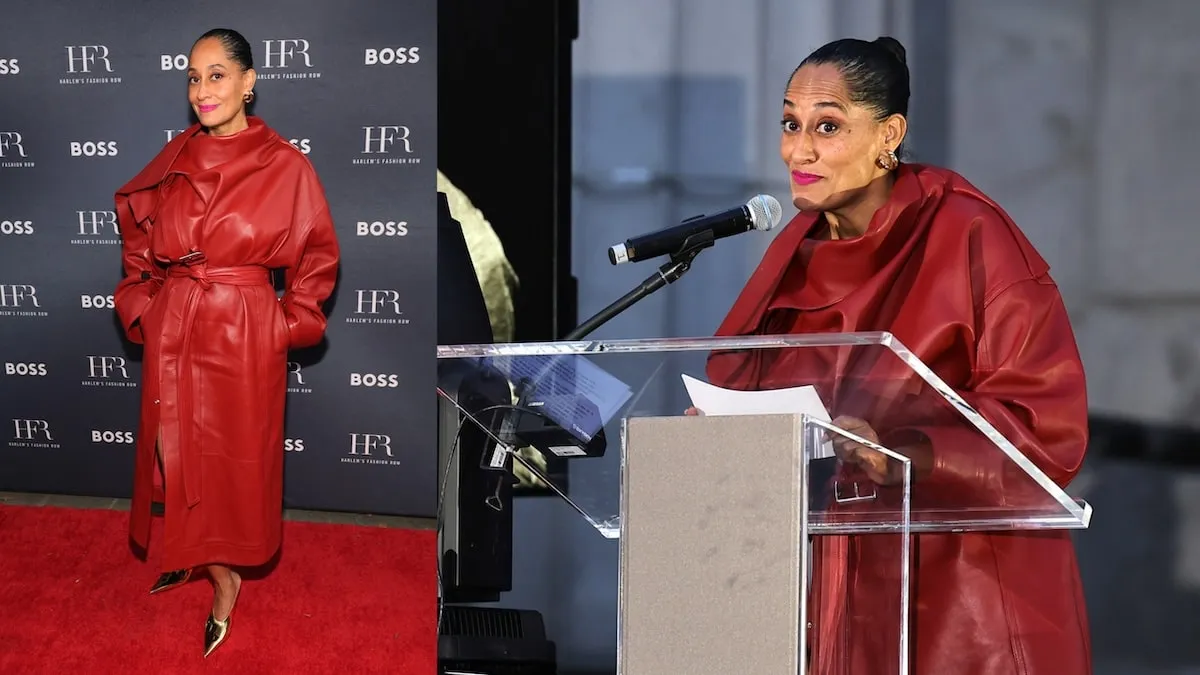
876, 73
236, 46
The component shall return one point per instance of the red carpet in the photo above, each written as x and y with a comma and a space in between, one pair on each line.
343, 599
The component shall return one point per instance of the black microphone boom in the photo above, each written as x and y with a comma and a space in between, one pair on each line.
761, 213
683, 243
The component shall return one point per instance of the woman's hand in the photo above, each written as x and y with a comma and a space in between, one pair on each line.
693, 411
881, 469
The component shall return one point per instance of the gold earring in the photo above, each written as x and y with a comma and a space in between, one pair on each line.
248, 96
888, 161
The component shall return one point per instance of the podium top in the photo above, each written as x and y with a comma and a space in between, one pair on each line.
977, 462
663, 345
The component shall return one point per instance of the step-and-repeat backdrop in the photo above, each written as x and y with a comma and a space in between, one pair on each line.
89, 93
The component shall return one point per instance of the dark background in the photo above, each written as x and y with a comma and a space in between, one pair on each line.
504, 138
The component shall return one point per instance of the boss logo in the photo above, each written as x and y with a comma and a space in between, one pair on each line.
93, 148
16, 227
97, 301
304, 145
176, 62
379, 228
374, 380
112, 436
293, 445
392, 56
9, 67
25, 369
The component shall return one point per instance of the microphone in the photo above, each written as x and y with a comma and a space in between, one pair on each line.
762, 213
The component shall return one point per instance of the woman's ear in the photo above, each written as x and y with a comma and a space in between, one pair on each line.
895, 128
251, 79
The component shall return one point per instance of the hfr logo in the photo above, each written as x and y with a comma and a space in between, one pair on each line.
32, 434
371, 445
107, 367
32, 430
97, 228
18, 296
378, 301
86, 58
282, 53
20, 300
296, 379
98, 223
380, 139
296, 372
377, 306
11, 145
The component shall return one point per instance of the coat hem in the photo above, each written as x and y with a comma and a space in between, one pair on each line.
232, 556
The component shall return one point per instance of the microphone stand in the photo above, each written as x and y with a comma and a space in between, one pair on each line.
668, 273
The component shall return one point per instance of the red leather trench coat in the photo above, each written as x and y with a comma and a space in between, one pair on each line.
946, 271
216, 334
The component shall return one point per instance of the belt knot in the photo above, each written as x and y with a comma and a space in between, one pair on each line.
194, 266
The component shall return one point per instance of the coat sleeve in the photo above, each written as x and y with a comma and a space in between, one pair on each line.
311, 280
142, 278
1029, 385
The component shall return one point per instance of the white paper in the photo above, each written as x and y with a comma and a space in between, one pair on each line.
714, 400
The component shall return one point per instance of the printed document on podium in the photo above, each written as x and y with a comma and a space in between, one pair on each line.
714, 400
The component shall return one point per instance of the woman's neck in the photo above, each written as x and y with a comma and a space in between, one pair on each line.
852, 220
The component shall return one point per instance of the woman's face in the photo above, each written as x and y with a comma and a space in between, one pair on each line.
217, 87
829, 144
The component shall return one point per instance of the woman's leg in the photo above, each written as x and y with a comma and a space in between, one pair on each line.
166, 580
226, 585
158, 461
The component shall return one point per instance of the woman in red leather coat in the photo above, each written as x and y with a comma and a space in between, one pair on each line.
202, 225
918, 251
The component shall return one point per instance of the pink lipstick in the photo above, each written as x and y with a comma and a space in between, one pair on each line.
800, 178
208, 108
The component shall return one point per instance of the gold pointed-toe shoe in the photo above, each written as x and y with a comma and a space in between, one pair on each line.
168, 580
215, 633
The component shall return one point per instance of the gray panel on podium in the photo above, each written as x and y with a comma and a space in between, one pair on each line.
713, 556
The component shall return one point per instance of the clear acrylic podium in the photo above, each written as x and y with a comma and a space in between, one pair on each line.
732, 526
